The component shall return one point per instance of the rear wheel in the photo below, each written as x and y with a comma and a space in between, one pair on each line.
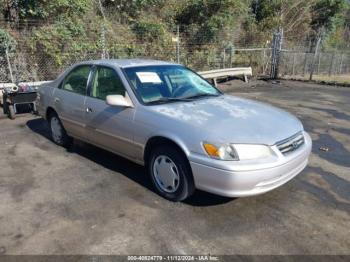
58, 133
170, 173
11, 112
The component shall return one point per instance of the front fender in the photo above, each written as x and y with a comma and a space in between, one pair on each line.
173, 137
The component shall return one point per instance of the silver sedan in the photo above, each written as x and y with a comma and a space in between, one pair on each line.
185, 131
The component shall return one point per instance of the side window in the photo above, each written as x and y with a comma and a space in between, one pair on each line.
106, 82
76, 80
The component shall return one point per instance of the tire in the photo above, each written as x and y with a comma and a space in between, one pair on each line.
4, 108
58, 134
170, 173
11, 112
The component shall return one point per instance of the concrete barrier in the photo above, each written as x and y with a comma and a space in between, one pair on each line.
219, 73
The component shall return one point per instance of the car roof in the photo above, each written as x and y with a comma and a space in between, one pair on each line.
124, 63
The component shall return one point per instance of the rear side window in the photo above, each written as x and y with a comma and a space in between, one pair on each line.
76, 80
106, 82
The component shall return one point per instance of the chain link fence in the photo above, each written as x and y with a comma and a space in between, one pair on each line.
327, 66
195, 49
292, 58
28, 67
306, 60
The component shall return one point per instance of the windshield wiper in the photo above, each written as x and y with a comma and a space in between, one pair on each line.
201, 95
164, 100
167, 100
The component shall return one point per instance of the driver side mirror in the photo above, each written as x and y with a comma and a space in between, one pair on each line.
118, 100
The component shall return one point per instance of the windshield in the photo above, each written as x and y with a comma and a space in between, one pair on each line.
168, 83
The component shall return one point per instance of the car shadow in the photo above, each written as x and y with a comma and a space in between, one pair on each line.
123, 166
202, 199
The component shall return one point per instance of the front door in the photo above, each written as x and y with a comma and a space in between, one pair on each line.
109, 126
69, 100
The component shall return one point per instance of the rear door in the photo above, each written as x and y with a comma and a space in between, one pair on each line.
69, 100
111, 127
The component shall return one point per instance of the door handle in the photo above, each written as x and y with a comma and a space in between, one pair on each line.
88, 110
56, 100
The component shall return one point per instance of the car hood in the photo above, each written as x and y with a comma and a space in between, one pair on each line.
230, 119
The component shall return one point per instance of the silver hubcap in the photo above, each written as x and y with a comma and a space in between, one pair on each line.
166, 174
56, 129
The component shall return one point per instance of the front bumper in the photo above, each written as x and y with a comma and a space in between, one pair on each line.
248, 180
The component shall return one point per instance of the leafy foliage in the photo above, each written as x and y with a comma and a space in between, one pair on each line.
326, 12
209, 19
132, 8
338, 29
64, 30
7, 42
47, 9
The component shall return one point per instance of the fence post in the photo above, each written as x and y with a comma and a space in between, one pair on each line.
104, 53
103, 42
305, 58
341, 63
279, 51
331, 65
293, 67
276, 53
178, 44
263, 61
273, 56
208, 59
9, 64
314, 58
223, 58
305, 63
319, 63
231, 56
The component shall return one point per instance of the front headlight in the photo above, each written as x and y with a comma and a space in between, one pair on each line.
224, 152
248, 152
238, 151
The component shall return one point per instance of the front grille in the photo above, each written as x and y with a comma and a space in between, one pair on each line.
291, 144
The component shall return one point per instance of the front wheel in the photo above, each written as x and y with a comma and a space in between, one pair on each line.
171, 173
58, 133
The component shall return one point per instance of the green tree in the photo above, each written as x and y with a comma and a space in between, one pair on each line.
325, 14
291, 15
211, 19
338, 34
40, 9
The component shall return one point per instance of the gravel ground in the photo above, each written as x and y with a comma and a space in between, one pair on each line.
89, 201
